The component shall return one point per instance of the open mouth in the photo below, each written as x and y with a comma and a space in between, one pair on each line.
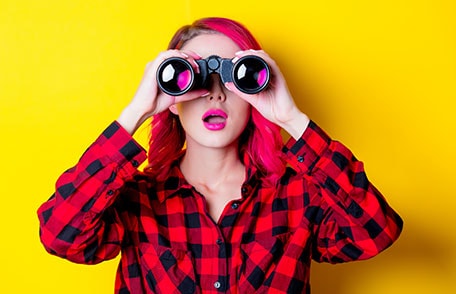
214, 119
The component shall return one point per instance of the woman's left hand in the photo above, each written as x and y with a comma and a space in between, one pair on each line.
275, 103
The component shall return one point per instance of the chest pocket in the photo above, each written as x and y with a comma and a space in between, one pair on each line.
259, 260
167, 270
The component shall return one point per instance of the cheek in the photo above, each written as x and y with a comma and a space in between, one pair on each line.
186, 118
187, 110
245, 108
243, 114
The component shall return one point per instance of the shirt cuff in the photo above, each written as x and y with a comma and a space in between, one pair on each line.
305, 152
120, 146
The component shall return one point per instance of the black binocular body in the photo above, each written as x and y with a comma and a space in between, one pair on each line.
250, 74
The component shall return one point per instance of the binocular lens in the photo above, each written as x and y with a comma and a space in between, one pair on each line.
251, 74
175, 76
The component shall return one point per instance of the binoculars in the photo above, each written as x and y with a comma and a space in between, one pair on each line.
250, 74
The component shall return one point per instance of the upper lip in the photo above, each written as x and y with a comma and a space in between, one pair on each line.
214, 112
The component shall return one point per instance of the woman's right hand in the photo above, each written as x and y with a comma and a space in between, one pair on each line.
149, 100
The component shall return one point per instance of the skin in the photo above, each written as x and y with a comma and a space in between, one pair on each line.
219, 174
219, 97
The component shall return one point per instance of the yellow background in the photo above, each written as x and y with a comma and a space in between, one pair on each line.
378, 75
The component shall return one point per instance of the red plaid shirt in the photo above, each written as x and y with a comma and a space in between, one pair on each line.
323, 208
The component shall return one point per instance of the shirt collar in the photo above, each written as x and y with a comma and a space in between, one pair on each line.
175, 182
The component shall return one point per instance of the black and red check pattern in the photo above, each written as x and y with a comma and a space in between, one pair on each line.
323, 208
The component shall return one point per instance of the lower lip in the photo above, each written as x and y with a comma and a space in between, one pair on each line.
214, 127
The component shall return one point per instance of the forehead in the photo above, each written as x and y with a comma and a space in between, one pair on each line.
210, 44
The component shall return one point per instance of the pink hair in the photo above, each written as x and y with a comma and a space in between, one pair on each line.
261, 141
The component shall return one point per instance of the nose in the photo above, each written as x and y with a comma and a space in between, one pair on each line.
216, 89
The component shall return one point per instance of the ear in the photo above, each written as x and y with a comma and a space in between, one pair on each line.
173, 109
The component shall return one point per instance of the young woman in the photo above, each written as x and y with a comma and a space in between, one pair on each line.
234, 210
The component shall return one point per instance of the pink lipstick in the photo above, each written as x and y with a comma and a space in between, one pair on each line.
215, 119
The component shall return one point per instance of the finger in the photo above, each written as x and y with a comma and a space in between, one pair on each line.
152, 66
191, 57
260, 53
193, 54
192, 95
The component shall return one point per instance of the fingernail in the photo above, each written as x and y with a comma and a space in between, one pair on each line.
197, 66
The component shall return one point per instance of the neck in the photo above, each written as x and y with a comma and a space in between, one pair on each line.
212, 167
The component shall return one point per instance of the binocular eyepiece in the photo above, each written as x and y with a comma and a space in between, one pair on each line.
250, 74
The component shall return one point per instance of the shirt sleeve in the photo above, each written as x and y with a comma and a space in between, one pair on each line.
351, 219
78, 222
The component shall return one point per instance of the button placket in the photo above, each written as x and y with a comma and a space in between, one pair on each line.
217, 285
245, 190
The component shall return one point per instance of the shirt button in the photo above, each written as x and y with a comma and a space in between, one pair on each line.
110, 192
135, 163
235, 205
301, 158
217, 285
219, 242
